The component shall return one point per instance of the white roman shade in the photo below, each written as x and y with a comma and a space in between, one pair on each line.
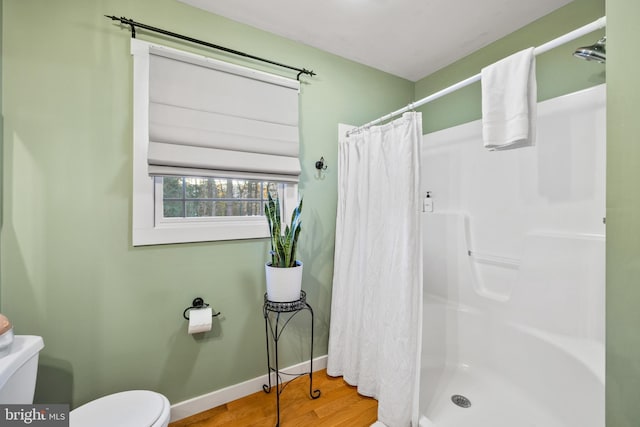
212, 118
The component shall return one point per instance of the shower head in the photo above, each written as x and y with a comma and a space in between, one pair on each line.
596, 52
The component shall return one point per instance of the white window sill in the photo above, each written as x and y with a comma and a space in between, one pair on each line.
201, 232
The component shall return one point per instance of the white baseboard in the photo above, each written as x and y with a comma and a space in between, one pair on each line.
207, 401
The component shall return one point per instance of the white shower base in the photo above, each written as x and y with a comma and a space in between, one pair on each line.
496, 402
512, 375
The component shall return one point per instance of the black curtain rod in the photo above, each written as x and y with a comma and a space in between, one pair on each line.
133, 24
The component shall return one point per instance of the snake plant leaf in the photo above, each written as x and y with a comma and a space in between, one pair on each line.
294, 246
284, 243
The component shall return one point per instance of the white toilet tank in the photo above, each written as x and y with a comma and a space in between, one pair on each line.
18, 370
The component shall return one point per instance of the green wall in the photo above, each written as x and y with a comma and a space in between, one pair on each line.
623, 214
557, 72
111, 314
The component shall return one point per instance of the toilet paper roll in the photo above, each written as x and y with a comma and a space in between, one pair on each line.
200, 320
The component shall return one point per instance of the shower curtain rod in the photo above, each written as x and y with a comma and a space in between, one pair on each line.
134, 24
593, 26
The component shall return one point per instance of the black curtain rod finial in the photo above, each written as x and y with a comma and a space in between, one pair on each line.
305, 71
126, 21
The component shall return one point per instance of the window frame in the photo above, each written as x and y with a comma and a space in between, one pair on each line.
149, 230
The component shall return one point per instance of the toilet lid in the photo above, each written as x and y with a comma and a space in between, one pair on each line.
135, 408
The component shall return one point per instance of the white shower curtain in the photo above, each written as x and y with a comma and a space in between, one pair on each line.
376, 306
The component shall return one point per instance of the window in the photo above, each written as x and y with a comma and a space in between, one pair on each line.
189, 198
211, 139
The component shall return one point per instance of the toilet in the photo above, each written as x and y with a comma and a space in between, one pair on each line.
134, 408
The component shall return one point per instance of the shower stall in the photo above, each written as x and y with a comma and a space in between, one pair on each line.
512, 293
514, 256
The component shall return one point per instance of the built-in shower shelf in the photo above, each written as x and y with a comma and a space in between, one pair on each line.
495, 260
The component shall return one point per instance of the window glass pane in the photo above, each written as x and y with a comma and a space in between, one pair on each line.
173, 209
193, 197
200, 208
197, 188
172, 187
270, 187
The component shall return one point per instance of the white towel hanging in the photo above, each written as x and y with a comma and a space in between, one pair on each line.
509, 99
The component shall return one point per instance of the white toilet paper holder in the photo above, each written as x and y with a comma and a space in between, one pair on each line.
197, 303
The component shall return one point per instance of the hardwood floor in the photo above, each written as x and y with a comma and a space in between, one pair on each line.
338, 405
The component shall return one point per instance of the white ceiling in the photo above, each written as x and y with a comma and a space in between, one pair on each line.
408, 38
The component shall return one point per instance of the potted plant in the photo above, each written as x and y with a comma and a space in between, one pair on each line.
284, 271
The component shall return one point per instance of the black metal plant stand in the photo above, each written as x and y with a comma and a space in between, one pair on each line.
274, 325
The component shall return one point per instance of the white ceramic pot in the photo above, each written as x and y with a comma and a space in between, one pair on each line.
283, 284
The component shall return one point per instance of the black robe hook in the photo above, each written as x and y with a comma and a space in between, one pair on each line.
320, 164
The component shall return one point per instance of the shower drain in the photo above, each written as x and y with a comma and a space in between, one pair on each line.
461, 401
